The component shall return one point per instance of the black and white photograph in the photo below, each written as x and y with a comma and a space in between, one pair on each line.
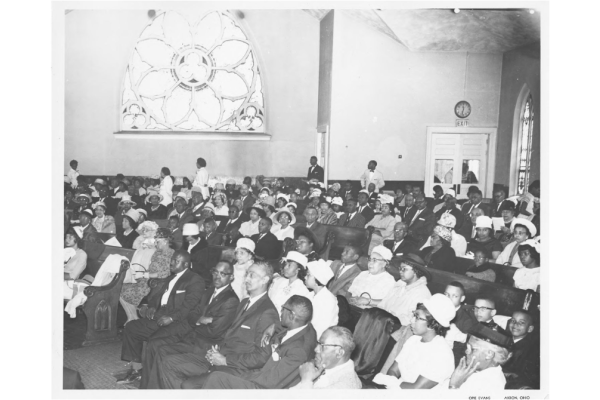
318, 197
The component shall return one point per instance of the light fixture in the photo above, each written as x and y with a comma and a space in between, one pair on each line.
531, 11
456, 10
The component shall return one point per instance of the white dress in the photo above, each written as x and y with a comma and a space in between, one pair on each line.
284, 233
527, 278
248, 228
281, 290
433, 360
377, 286
325, 311
166, 190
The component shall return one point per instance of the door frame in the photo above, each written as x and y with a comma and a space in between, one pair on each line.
491, 156
322, 153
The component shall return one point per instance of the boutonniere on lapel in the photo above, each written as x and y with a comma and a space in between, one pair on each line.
274, 348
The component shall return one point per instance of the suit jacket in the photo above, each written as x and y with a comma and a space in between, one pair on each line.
377, 179
358, 221
407, 246
368, 213
226, 226
339, 286
422, 227
407, 213
222, 310
215, 239
241, 344
284, 372
320, 232
317, 173
494, 209
202, 245
184, 296
466, 208
466, 230
186, 217
247, 202
89, 233
268, 247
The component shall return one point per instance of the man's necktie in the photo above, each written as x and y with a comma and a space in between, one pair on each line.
212, 297
339, 273
347, 221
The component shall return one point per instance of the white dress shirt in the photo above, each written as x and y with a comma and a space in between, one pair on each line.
165, 297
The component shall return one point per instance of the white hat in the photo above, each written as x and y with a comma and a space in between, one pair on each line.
230, 181
142, 211
99, 204
441, 309
315, 193
219, 186
88, 212
386, 199
522, 221
283, 196
299, 258
292, 204
288, 212
365, 191
190, 230
297, 191
180, 195
127, 199
337, 200
209, 206
100, 181
383, 252
451, 192
320, 270
535, 243
483, 222
153, 193
178, 181
448, 220
197, 189
133, 214
245, 243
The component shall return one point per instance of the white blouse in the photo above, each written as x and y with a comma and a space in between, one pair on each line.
281, 290
248, 228
284, 233
527, 278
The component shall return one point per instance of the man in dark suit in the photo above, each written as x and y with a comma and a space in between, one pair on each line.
401, 244
292, 343
450, 208
475, 201
352, 218
182, 211
347, 192
267, 245
199, 199
499, 200
344, 271
207, 322
422, 222
310, 215
315, 171
111, 203
239, 351
231, 192
161, 310
210, 233
247, 199
363, 206
408, 210
234, 220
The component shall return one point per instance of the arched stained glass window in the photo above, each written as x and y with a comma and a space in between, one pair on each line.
193, 74
525, 151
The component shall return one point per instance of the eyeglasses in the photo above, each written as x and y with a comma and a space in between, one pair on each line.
376, 259
399, 230
416, 316
517, 323
325, 345
217, 272
483, 308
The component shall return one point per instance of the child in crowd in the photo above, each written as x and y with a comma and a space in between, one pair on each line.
482, 269
523, 368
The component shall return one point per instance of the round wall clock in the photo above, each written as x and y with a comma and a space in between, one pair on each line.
462, 109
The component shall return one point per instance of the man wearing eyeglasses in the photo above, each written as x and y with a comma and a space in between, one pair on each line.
238, 352
291, 343
401, 244
485, 309
332, 367
208, 321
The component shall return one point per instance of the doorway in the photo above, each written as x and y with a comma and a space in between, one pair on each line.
458, 158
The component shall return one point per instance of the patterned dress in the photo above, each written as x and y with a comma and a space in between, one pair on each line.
133, 293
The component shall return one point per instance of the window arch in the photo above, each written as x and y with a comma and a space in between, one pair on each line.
525, 136
193, 74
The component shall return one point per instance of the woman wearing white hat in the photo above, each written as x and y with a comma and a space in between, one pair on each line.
155, 209
325, 305
522, 229
528, 277
291, 280
102, 222
375, 283
336, 205
425, 359
285, 221
382, 225
244, 256
484, 237
326, 215
128, 234
220, 202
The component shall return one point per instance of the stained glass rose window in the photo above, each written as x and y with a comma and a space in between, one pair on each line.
194, 74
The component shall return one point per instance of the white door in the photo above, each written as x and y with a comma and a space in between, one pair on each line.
457, 161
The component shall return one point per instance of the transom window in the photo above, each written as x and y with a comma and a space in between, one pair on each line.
525, 152
191, 73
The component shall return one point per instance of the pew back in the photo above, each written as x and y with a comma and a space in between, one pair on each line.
345, 236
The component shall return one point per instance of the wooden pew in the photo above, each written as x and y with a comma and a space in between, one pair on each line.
345, 236
504, 273
105, 236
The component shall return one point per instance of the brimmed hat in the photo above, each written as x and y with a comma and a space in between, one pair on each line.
88, 212
443, 232
209, 206
283, 196
142, 211
338, 201
182, 196
386, 199
178, 181
483, 222
521, 221
365, 191
219, 186
441, 309
126, 181
450, 192
270, 200
87, 196
292, 204
315, 193
265, 188
127, 199
448, 220
325, 200
489, 335
336, 187
230, 182
133, 214
535, 243
508, 205
416, 262
259, 210
190, 230
151, 194
320, 270
100, 204
383, 252
285, 211
297, 257
246, 244
100, 181
304, 231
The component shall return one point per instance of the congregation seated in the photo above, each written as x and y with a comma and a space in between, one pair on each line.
485, 239
422, 222
447, 221
305, 243
327, 215
194, 242
373, 285
481, 269
244, 258
155, 209
523, 367
522, 230
401, 244
210, 235
318, 230
507, 212
250, 227
267, 245
352, 218
475, 201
